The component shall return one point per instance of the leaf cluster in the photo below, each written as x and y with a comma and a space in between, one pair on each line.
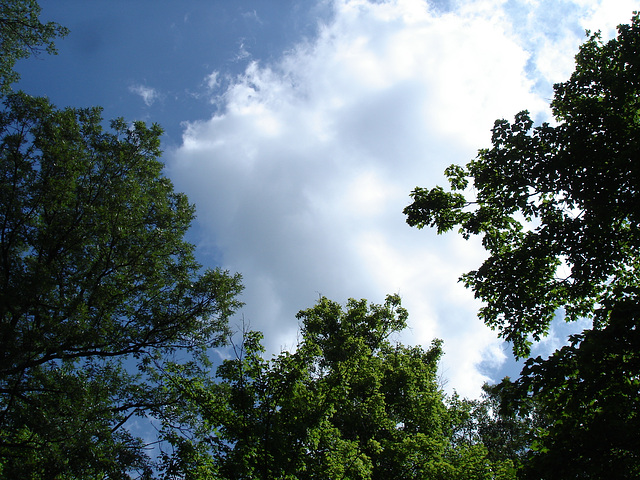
586, 395
556, 206
22, 34
94, 271
348, 403
558, 211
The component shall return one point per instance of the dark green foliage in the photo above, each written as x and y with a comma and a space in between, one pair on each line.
558, 207
588, 392
506, 434
94, 271
559, 211
21, 35
347, 404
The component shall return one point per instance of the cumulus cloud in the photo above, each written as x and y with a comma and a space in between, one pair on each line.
301, 177
149, 95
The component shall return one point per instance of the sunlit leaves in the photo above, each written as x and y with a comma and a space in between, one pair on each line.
436, 208
348, 403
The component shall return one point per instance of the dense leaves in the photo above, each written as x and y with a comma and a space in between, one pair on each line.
557, 206
559, 211
23, 34
98, 289
588, 395
94, 270
348, 403
106, 318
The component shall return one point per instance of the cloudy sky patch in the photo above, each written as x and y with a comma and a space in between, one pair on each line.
299, 129
301, 178
149, 95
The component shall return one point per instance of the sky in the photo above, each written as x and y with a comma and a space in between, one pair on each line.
300, 127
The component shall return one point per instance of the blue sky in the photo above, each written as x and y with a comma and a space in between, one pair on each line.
299, 128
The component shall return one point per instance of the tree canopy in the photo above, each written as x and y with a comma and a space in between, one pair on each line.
22, 34
348, 403
586, 396
106, 317
94, 270
558, 208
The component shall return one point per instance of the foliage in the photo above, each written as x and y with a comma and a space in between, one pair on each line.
348, 403
506, 434
95, 276
589, 394
21, 35
554, 199
558, 209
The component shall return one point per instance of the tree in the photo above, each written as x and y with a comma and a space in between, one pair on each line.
98, 289
557, 205
348, 403
22, 35
506, 434
559, 211
588, 394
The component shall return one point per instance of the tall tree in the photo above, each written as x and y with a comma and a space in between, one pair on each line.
588, 397
559, 211
348, 403
98, 288
23, 34
557, 206
506, 434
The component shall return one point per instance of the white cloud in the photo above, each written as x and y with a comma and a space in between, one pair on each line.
301, 178
149, 95
606, 15
242, 53
252, 16
213, 80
